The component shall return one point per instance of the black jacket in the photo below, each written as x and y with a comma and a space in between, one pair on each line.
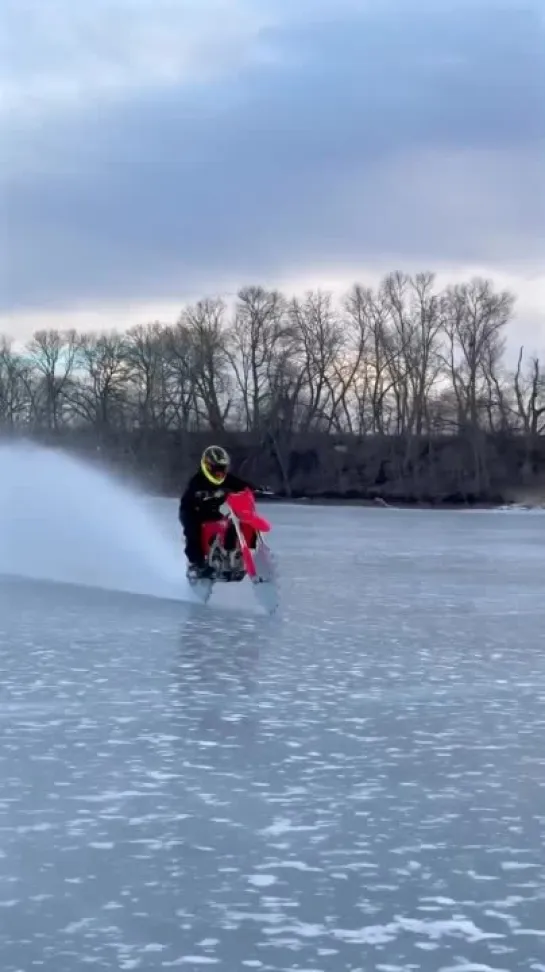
201, 500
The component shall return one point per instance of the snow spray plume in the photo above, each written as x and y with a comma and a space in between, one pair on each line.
64, 520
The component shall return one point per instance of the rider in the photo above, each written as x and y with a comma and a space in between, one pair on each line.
204, 494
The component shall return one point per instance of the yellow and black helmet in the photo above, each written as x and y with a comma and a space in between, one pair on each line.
215, 464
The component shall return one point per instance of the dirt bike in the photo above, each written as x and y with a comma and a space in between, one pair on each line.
234, 548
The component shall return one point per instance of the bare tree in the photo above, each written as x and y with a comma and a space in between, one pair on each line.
183, 396
382, 368
530, 396
416, 335
258, 332
317, 342
14, 386
206, 322
474, 318
144, 356
101, 393
52, 355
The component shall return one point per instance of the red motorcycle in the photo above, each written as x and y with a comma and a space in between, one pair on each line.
234, 548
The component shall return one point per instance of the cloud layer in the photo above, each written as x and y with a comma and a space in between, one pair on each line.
155, 148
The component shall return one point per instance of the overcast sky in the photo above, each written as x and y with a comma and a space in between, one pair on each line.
154, 151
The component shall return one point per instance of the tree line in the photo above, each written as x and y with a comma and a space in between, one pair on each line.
380, 383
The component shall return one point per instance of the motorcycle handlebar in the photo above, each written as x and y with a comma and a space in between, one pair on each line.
258, 491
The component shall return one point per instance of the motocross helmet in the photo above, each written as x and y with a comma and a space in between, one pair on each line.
215, 464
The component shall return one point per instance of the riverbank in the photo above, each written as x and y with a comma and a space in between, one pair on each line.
376, 503
380, 504
439, 472
406, 505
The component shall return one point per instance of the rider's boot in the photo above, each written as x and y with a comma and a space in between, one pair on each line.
199, 570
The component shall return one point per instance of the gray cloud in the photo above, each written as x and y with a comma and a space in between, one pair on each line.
401, 130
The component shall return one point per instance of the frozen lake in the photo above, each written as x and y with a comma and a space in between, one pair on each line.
356, 786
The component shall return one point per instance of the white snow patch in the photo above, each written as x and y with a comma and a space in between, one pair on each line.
295, 865
434, 930
472, 967
282, 825
262, 880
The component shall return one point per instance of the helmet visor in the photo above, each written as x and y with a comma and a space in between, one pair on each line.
217, 471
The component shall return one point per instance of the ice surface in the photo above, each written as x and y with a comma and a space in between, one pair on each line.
357, 785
